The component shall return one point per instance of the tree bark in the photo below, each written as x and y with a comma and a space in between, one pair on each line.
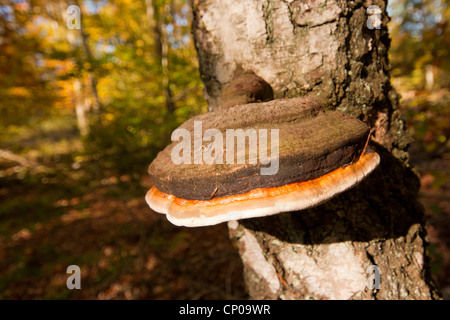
162, 50
81, 107
96, 106
324, 48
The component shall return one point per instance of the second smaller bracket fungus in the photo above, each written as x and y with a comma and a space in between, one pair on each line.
245, 87
319, 153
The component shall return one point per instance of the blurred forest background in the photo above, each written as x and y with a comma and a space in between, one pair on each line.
83, 112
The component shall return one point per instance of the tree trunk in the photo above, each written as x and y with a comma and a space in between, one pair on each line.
81, 107
325, 48
156, 19
96, 106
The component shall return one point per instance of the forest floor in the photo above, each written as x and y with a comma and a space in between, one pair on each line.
56, 212
124, 250
50, 220
428, 113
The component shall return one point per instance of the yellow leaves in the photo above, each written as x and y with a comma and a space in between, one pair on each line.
124, 35
442, 138
140, 43
108, 65
23, 6
19, 92
65, 93
108, 118
8, 50
134, 25
59, 67
421, 116
79, 159
107, 89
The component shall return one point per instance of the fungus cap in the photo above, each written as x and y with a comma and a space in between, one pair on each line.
321, 154
263, 201
312, 141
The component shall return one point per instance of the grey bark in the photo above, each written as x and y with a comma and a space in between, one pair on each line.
324, 48
81, 107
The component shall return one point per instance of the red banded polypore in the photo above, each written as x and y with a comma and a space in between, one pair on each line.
322, 153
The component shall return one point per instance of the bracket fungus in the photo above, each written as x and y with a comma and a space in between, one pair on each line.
315, 155
245, 87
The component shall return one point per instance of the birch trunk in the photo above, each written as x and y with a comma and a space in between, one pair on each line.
326, 48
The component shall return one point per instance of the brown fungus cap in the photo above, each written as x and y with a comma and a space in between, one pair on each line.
263, 201
312, 142
318, 156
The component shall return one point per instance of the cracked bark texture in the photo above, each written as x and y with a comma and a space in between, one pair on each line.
323, 48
